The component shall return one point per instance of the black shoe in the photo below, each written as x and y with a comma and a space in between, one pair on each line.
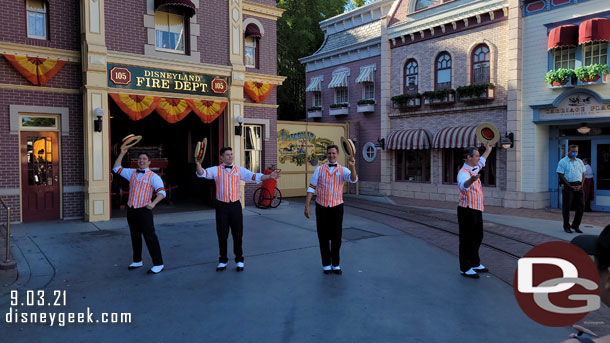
577, 230
132, 267
567, 230
472, 276
327, 272
240, 267
221, 267
337, 271
482, 270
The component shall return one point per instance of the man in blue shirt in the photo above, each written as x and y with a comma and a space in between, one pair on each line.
571, 172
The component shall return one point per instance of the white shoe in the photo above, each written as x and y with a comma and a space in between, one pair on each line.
470, 273
240, 266
135, 265
156, 269
221, 267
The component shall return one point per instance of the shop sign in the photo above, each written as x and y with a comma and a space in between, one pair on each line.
576, 106
138, 78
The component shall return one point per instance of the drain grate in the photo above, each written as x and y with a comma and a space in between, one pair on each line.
353, 234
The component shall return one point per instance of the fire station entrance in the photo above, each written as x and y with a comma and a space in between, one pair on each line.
171, 148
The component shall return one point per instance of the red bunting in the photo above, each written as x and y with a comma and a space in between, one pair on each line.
173, 110
36, 70
207, 111
258, 91
135, 106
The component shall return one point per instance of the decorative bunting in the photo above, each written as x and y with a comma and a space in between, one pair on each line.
36, 70
173, 110
135, 106
207, 111
258, 91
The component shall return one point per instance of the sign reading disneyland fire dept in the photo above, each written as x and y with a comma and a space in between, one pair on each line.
138, 78
575, 106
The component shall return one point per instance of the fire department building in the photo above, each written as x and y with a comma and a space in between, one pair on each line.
78, 78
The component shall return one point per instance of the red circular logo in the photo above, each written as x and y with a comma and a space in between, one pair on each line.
556, 284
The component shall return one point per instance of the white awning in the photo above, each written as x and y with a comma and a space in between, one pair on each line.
367, 74
315, 85
339, 80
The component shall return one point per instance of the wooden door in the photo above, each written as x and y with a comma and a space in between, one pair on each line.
39, 175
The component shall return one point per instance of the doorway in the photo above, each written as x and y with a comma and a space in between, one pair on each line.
600, 163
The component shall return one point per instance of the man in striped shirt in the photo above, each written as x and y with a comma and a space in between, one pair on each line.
228, 206
142, 183
470, 211
327, 182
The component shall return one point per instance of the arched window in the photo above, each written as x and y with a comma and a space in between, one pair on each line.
480, 64
251, 48
426, 3
411, 76
443, 71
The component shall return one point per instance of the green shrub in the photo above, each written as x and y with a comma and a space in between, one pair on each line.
560, 75
591, 71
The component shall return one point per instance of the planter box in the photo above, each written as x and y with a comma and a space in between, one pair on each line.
487, 95
561, 85
409, 105
597, 80
448, 99
314, 114
366, 108
338, 111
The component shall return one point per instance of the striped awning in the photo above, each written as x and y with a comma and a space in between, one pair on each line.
315, 85
339, 80
456, 137
413, 139
367, 74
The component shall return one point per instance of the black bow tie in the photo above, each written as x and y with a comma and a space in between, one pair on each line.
141, 171
229, 167
332, 165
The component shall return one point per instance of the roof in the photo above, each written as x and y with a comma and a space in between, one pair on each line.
359, 34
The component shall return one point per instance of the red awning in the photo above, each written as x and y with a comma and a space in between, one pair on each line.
252, 31
413, 139
566, 35
456, 137
186, 5
593, 30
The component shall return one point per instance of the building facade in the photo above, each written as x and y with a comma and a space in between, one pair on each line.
82, 76
344, 83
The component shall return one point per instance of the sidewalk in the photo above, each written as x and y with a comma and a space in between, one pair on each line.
394, 288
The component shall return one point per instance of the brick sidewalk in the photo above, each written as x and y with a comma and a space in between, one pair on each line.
590, 218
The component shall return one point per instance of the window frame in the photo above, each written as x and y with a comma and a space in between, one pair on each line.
256, 52
406, 89
473, 62
366, 85
592, 44
561, 49
260, 151
45, 24
437, 69
401, 166
346, 95
316, 95
185, 31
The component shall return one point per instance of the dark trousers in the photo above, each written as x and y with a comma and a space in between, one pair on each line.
141, 223
229, 215
571, 197
329, 221
471, 236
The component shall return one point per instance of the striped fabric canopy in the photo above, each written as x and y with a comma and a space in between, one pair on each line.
339, 80
315, 85
456, 137
367, 74
413, 139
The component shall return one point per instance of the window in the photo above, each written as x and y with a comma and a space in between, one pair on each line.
595, 53
169, 29
368, 90
564, 57
253, 148
443, 71
453, 160
317, 99
37, 19
426, 3
411, 71
341, 95
480, 64
413, 165
250, 51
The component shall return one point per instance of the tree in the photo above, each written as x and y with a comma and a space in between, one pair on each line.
353, 4
299, 35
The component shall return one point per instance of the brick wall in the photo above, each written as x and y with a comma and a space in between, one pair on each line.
121, 37
63, 29
267, 46
213, 43
70, 76
368, 128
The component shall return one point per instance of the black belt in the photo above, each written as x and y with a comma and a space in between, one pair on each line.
575, 183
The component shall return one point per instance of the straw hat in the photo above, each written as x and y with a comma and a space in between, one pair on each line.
200, 150
130, 141
348, 146
487, 133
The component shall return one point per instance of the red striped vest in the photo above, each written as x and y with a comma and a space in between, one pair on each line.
473, 197
227, 184
140, 192
330, 186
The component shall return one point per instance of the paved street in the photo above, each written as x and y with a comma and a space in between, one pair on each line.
395, 288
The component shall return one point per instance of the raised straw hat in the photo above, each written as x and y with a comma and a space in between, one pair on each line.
487, 133
200, 150
130, 141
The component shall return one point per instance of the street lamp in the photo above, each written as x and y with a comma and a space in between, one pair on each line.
238, 128
97, 124
507, 141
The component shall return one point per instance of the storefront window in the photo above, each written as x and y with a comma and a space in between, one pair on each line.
253, 148
413, 165
453, 161
595, 53
564, 57
37, 19
169, 29
250, 52
341, 95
